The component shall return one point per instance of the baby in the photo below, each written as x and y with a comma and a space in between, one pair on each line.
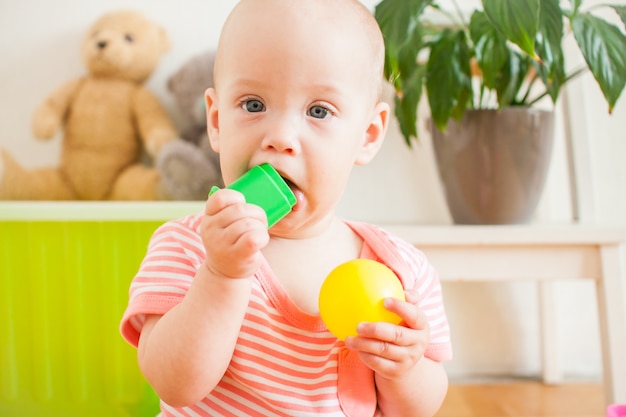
224, 311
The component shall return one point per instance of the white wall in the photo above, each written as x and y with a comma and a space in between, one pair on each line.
39, 43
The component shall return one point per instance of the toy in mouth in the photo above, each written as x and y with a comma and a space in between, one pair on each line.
297, 192
263, 185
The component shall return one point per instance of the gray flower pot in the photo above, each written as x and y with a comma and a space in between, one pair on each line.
493, 164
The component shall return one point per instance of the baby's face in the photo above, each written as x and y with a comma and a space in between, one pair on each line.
295, 89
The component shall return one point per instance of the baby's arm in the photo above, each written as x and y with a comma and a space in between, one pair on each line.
419, 393
184, 353
407, 382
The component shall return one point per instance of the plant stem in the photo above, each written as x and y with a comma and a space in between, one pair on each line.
597, 6
481, 99
460, 13
530, 86
447, 14
567, 79
575, 74
536, 99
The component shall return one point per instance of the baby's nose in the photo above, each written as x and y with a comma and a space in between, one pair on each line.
283, 137
280, 145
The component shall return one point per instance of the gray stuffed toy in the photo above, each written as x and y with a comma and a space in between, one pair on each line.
188, 166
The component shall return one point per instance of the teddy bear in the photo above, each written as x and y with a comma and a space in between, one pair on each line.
188, 167
109, 119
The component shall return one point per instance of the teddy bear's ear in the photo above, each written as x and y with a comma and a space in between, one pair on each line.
165, 40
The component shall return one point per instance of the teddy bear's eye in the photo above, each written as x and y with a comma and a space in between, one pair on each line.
129, 38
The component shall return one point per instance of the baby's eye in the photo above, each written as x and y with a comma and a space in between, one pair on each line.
253, 106
319, 112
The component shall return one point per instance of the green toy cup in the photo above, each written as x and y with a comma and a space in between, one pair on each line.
263, 186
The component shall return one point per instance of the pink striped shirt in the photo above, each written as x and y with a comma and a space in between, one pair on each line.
285, 362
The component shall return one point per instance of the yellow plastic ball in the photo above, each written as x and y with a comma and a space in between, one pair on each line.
354, 292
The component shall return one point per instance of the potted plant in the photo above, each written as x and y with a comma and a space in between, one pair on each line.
484, 74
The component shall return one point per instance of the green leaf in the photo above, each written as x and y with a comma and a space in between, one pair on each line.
407, 54
448, 76
604, 47
551, 69
621, 11
489, 46
511, 78
463, 102
518, 20
399, 21
397, 18
406, 103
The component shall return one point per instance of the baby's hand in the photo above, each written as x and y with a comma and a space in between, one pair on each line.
392, 350
233, 233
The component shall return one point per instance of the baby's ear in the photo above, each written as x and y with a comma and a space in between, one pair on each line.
212, 119
374, 134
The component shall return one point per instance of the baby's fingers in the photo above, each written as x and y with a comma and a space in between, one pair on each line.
233, 233
412, 316
249, 234
387, 349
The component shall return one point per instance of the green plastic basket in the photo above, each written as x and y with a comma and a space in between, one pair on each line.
65, 270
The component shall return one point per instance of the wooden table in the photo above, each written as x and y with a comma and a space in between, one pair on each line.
544, 254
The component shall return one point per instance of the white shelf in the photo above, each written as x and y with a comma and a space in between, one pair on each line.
97, 210
518, 234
